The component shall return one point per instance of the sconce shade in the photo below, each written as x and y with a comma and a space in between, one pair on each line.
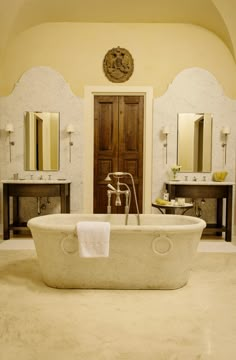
166, 130
70, 129
226, 130
9, 127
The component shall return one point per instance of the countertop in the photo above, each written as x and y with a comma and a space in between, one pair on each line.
182, 182
24, 181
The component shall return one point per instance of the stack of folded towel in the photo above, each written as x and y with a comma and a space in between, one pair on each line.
93, 237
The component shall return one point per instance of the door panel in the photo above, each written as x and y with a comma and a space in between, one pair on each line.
131, 143
118, 146
105, 146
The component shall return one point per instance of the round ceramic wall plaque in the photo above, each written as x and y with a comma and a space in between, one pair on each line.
118, 65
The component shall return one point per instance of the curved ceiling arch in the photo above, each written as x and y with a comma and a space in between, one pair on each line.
29, 13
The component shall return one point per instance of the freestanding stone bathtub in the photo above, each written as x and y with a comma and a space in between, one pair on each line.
157, 254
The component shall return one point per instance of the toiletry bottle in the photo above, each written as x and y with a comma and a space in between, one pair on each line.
166, 195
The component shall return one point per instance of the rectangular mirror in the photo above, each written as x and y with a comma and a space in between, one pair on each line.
194, 142
42, 136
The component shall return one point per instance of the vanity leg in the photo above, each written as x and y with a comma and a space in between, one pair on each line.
65, 198
6, 212
229, 205
68, 199
15, 213
219, 215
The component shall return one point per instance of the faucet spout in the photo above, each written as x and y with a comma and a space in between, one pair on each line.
118, 200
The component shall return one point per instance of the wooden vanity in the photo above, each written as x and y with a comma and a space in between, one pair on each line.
32, 188
211, 190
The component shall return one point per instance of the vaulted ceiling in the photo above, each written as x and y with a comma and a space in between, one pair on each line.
217, 16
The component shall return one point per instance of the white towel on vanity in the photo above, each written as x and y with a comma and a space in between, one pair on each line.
93, 237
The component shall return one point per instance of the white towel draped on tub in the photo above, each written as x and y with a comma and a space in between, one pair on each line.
93, 237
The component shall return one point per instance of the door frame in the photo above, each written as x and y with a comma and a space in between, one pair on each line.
90, 92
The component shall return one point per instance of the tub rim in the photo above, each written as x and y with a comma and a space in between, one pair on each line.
193, 224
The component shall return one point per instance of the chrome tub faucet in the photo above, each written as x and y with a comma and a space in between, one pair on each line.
118, 191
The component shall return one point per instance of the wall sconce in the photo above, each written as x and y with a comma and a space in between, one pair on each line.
10, 129
225, 132
70, 130
166, 131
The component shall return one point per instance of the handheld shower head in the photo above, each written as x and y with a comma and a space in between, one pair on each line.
111, 187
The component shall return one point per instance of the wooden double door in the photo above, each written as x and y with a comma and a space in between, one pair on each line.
118, 146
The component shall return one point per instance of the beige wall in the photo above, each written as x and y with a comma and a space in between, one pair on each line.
160, 52
76, 50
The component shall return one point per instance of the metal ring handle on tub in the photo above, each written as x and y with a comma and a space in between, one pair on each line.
162, 245
69, 245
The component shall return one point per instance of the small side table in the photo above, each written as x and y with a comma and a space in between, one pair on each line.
171, 209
